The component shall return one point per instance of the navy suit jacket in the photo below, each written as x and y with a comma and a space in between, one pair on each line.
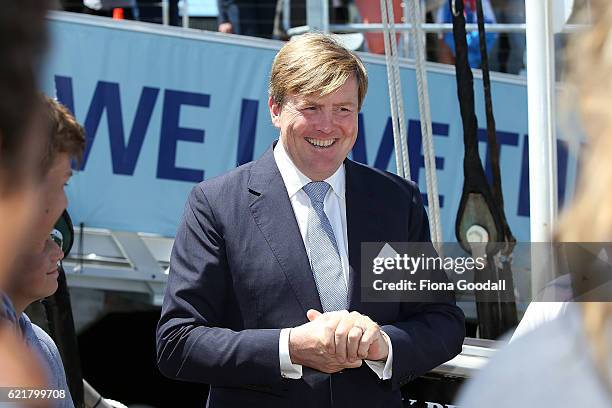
239, 273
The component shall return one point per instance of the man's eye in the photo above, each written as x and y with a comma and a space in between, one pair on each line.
310, 108
65, 184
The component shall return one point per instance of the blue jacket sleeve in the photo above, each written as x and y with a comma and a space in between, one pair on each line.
193, 341
428, 333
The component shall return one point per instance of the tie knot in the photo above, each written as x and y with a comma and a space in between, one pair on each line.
316, 190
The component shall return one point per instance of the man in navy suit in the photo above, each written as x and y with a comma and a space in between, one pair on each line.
263, 298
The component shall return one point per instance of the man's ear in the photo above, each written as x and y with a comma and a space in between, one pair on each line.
275, 111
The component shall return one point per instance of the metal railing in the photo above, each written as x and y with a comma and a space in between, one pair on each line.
317, 12
183, 8
427, 27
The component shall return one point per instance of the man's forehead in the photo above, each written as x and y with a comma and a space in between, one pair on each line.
348, 92
316, 98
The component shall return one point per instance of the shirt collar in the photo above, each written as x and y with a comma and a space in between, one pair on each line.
294, 179
7, 311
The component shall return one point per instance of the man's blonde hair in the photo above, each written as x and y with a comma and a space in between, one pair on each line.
315, 64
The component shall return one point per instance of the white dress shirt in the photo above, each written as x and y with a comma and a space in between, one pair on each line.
335, 208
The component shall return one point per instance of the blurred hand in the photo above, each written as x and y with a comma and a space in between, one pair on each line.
313, 344
225, 28
357, 337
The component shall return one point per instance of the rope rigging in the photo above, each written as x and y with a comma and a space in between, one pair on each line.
397, 107
508, 309
481, 206
395, 91
418, 41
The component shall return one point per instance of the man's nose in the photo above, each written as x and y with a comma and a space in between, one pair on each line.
326, 121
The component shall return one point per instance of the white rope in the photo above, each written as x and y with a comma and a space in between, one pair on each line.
392, 89
418, 41
398, 90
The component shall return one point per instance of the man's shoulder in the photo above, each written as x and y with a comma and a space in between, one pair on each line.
238, 176
42, 341
234, 183
381, 180
41, 336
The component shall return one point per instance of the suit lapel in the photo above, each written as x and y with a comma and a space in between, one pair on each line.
363, 224
273, 213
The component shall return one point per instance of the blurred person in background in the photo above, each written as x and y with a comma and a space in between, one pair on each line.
23, 38
247, 17
370, 12
107, 7
568, 361
339, 13
446, 54
151, 12
35, 273
507, 54
22, 124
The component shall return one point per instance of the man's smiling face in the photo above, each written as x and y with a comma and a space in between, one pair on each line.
318, 131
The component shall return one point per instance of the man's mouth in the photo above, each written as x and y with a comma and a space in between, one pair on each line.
321, 143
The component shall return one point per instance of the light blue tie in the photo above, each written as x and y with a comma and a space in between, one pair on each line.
324, 256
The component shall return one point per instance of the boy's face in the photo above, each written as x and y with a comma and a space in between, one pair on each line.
53, 201
35, 275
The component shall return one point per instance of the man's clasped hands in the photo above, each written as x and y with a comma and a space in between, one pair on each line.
333, 341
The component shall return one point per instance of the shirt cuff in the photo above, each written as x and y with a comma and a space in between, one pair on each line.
383, 369
287, 368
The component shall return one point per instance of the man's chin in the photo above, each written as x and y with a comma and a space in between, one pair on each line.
319, 167
320, 174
